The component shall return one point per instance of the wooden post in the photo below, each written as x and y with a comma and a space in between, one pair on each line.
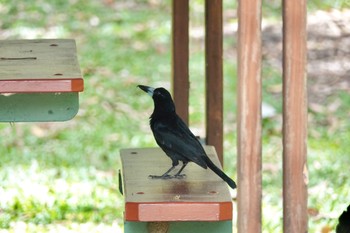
214, 80
180, 56
294, 117
249, 189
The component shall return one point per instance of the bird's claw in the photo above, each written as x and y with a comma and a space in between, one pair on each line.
168, 177
163, 177
180, 176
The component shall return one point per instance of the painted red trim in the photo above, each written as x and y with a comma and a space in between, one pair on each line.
41, 85
178, 211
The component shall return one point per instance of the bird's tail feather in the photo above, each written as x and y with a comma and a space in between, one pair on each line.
220, 173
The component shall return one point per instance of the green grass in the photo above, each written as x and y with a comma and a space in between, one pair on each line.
58, 177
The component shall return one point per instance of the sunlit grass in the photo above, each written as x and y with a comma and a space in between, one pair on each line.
62, 177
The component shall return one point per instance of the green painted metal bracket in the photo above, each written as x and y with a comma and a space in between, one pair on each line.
179, 227
38, 107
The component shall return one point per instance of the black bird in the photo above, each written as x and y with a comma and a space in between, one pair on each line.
344, 222
175, 138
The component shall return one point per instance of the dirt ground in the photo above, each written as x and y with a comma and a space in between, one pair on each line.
328, 53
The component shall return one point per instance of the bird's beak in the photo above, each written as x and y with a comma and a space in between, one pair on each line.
148, 90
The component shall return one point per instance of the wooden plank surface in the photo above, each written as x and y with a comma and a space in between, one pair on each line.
48, 65
214, 75
200, 196
180, 57
295, 176
249, 189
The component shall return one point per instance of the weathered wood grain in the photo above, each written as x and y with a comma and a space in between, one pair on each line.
214, 75
249, 189
180, 57
48, 65
294, 117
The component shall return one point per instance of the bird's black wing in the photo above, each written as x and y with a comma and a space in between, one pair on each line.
175, 138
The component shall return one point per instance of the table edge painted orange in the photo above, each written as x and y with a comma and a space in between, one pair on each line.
178, 211
42, 85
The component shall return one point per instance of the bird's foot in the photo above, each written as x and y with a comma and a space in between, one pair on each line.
163, 177
168, 177
180, 176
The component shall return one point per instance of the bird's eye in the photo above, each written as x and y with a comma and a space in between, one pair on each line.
158, 93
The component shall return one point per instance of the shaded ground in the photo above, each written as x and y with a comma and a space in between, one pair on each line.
328, 53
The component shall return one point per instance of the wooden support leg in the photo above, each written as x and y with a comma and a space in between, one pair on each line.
214, 75
249, 189
157, 227
294, 117
180, 57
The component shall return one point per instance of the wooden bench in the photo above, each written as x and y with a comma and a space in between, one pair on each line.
200, 202
40, 80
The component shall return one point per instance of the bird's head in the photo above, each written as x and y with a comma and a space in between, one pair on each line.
161, 98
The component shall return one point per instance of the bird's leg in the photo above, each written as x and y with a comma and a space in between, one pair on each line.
164, 176
178, 175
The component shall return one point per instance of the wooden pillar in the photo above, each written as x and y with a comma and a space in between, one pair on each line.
294, 117
249, 189
214, 80
180, 56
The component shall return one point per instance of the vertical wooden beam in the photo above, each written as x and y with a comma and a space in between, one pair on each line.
180, 56
214, 80
249, 189
294, 116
